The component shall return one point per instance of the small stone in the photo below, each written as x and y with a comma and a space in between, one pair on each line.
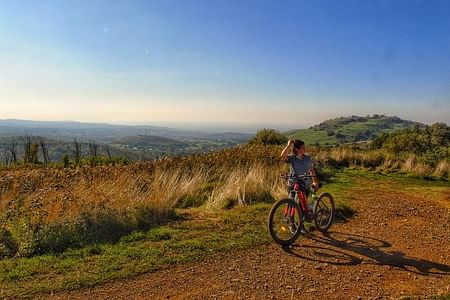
318, 267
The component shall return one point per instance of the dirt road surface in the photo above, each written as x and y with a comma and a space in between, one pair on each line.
396, 245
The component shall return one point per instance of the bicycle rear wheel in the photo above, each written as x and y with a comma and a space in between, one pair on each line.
285, 221
324, 212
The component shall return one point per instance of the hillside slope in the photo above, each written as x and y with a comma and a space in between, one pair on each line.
350, 129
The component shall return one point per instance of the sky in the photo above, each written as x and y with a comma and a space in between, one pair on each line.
282, 64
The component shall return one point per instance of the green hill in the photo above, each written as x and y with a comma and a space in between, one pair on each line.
350, 129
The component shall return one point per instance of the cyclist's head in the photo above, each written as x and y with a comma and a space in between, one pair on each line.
299, 147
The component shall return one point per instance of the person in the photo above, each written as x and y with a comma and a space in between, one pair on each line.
299, 162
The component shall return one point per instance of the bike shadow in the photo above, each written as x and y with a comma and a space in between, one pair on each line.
338, 248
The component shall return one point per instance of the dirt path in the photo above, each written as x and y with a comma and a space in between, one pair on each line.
395, 245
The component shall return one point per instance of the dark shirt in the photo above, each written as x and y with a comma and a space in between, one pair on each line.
300, 166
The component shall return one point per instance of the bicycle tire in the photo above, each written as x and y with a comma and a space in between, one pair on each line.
277, 209
324, 204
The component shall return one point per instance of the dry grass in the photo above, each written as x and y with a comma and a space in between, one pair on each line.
245, 185
51, 209
442, 169
412, 165
381, 161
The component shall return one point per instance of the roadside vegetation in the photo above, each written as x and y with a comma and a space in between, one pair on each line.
50, 209
80, 224
188, 235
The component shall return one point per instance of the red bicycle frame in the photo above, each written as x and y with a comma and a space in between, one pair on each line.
302, 200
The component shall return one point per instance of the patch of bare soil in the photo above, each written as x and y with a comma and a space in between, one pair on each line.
394, 246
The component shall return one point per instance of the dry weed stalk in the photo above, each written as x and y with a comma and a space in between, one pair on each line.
442, 169
412, 165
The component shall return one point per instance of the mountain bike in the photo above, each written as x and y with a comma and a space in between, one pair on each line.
287, 216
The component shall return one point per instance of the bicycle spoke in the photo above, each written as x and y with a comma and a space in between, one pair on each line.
322, 203
284, 224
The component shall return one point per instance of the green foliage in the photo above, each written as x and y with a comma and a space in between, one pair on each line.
66, 161
137, 253
268, 136
350, 129
8, 247
26, 238
197, 197
431, 143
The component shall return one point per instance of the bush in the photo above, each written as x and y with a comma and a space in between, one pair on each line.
8, 247
430, 144
268, 137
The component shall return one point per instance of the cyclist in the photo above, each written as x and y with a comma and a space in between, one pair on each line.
299, 162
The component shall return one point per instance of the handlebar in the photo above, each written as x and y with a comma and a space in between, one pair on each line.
301, 177
288, 176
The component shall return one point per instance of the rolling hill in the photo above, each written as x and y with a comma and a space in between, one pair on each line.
132, 142
350, 129
102, 132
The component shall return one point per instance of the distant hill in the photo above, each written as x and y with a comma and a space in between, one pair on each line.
68, 130
133, 142
102, 132
351, 129
148, 140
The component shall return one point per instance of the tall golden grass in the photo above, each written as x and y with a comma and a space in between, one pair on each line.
51, 209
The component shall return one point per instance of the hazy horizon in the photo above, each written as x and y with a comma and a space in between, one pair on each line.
246, 64
207, 126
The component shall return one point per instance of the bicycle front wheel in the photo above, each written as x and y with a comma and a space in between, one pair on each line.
324, 212
285, 221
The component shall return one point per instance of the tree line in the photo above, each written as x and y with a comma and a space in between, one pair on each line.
35, 151
431, 143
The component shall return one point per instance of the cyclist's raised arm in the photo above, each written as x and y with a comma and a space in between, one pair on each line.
285, 152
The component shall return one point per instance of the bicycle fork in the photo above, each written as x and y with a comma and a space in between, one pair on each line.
289, 210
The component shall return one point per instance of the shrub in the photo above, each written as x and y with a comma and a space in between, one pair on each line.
8, 247
268, 137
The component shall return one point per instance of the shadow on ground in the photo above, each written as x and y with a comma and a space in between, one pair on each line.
338, 248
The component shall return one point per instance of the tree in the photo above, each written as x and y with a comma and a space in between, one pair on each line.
93, 150
440, 134
44, 151
77, 152
268, 136
30, 154
13, 151
108, 151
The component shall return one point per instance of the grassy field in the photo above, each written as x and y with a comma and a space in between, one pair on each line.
349, 129
190, 235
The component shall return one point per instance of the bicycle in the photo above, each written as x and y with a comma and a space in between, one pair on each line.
287, 216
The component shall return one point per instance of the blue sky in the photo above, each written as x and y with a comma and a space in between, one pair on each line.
284, 64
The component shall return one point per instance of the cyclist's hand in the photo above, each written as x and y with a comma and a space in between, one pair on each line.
315, 185
290, 142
